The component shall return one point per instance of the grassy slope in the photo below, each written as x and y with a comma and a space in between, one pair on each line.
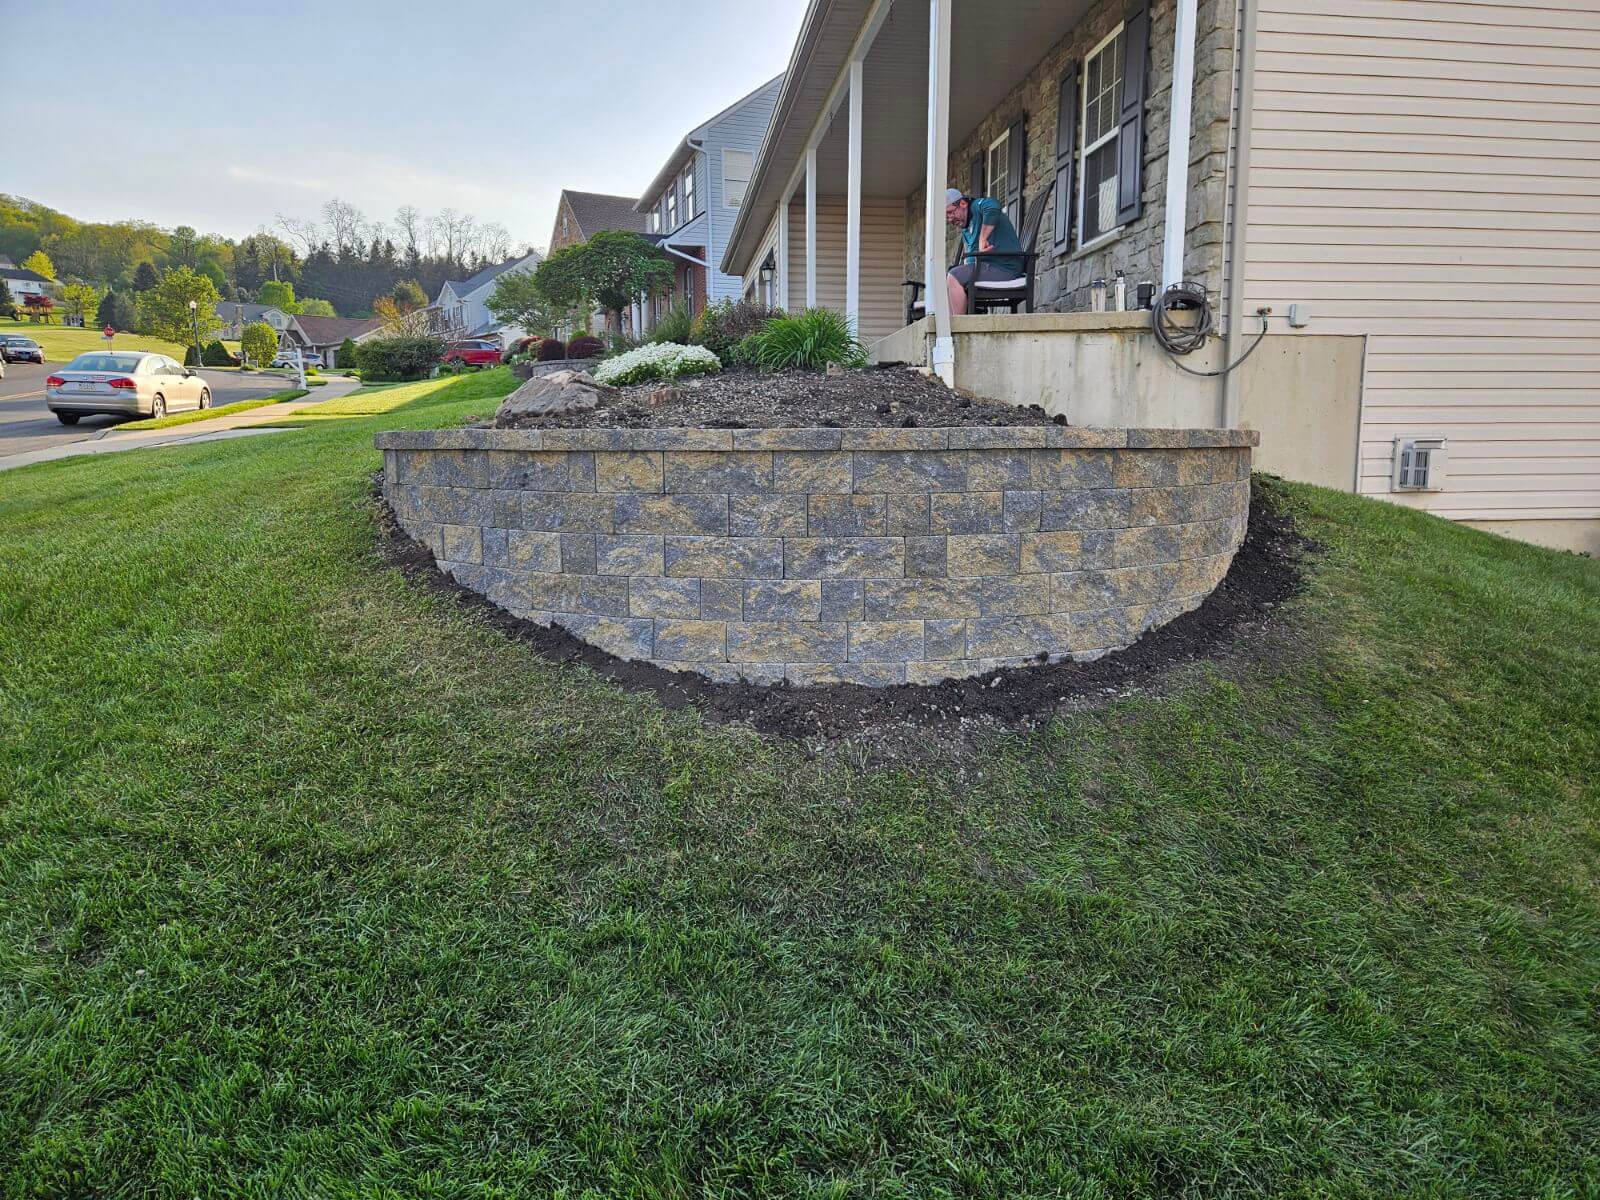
62, 345
310, 883
208, 414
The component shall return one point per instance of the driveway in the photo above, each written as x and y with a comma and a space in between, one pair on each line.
26, 424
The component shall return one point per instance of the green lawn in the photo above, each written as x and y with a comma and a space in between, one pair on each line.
207, 414
312, 884
62, 345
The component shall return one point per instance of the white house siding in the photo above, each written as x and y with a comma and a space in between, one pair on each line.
740, 128
883, 296
1427, 173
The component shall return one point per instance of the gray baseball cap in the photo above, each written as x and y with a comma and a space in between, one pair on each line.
953, 196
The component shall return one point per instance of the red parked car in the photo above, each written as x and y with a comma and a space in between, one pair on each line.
473, 354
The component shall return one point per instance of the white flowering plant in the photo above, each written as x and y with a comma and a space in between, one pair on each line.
663, 361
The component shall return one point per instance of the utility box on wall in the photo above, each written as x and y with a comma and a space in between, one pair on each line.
1419, 465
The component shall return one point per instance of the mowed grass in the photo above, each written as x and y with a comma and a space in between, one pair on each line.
207, 414
312, 884
61, 345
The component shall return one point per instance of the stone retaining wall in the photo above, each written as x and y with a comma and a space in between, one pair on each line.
874, 556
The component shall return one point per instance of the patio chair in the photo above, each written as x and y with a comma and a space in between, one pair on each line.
992, 295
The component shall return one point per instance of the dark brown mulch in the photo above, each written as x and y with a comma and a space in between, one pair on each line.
895, 721
893, 396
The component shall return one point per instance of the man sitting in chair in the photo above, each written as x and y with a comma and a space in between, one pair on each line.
985, 229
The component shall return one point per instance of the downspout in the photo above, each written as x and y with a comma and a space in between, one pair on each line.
1239, 232
1179, 135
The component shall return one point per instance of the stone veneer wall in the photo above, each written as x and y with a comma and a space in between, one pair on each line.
873, 556
1064, 277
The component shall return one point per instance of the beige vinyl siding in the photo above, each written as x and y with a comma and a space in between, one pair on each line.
883, 234
1427, 173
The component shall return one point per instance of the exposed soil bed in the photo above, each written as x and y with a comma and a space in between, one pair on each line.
1265, 572
892, 396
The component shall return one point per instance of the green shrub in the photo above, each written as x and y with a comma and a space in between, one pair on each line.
259, 342
675, 326
812, 340
721, 327
346, 353
189, 359
397, 359
216, 355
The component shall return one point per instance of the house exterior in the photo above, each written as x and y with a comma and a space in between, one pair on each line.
460, 310
581, 215
235, 316
691, 204
1409, 187
24, 284
325, 335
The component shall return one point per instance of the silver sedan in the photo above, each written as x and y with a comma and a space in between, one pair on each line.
124, 384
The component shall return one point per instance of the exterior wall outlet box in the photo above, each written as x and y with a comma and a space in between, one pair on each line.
1419, 464
1299, 316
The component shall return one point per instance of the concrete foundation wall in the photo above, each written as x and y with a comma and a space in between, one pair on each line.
868, 556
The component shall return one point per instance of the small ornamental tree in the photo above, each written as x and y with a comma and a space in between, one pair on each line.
518, 300
8, 306
259, 341
39, 263
607, 272
38, 308
345, 356
408, 296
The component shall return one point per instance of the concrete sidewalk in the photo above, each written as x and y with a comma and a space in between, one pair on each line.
243, 424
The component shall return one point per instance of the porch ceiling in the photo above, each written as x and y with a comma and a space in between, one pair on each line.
995, 46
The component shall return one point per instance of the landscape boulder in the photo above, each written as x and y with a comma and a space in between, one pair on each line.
552, 395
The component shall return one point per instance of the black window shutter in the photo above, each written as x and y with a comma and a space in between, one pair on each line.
978, 183
1130, 164
1066, 148
1016, 168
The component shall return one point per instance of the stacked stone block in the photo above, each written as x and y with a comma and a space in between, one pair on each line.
871, 556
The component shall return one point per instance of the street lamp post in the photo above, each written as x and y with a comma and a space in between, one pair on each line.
194, 315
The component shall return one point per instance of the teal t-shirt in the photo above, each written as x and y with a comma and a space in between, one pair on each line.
986, 210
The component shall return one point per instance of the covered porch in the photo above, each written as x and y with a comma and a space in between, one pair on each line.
848, 199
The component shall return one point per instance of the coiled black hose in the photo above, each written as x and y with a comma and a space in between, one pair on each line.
1182, 338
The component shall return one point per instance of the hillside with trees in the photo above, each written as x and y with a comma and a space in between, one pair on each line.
340, 264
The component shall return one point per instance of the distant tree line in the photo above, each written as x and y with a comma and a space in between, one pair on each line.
341, 264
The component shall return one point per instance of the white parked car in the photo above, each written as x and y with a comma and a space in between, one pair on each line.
124, 384
286, 358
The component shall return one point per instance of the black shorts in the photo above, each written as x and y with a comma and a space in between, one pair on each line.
989, 272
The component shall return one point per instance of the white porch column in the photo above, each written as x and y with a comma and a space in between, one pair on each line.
1178, 137
811, 227
780, 287
852, 218
938, 298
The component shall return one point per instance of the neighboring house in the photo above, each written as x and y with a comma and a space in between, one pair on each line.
461, 308
24, 285
326, 334
236, 315
1410, 189
581, 215
691, 204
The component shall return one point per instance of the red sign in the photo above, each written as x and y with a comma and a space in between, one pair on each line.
108, 333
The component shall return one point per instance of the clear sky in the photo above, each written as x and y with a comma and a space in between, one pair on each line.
220, 116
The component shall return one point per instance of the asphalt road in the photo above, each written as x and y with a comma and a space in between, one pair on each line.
26, 424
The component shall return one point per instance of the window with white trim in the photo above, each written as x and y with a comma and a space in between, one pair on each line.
1102, 112
672, 206
997, 167
688, 193
736, 169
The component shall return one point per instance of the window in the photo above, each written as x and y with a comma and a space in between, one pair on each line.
672, 206
655, 221
736, 168
563, 226
1102, 110
996, 183
688, 193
